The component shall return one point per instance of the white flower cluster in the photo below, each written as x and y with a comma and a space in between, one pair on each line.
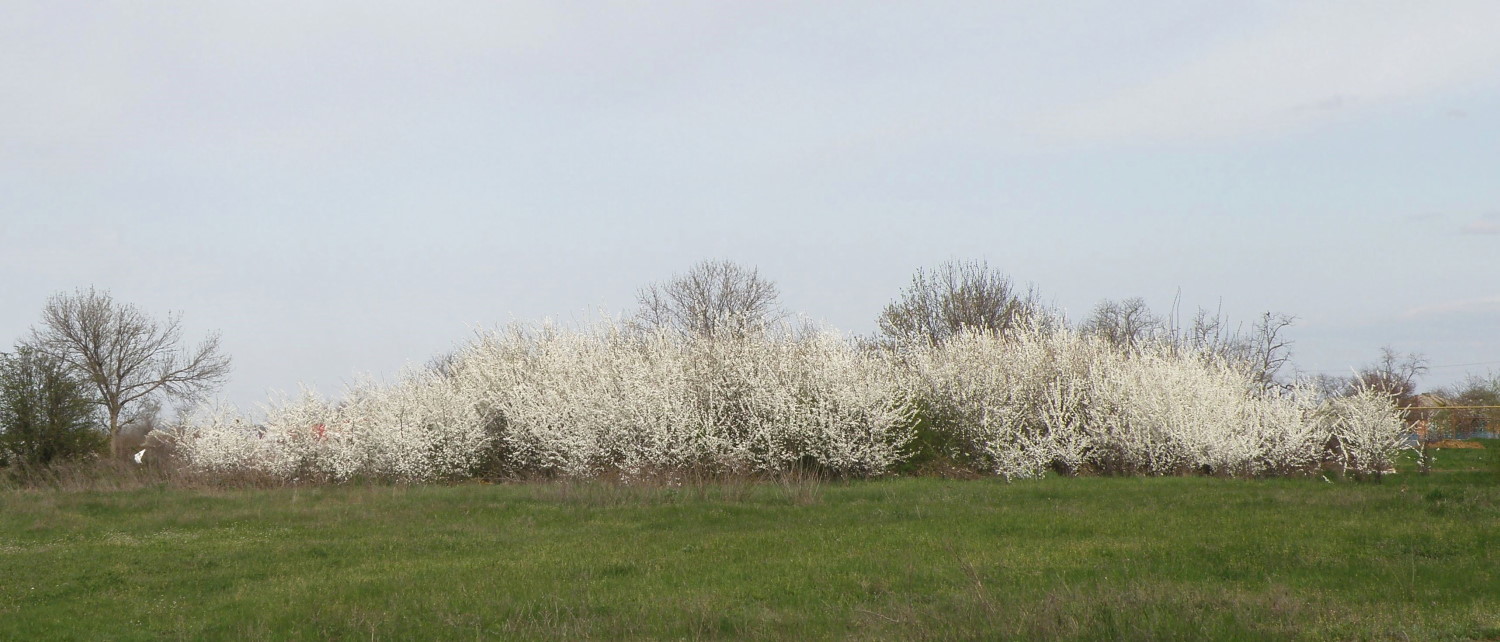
540, 400
421, 428
577, 403
1038, 399
1367, 431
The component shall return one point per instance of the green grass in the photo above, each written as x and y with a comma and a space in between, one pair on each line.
1411, 558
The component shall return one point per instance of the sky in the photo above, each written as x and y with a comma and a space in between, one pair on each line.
349, 187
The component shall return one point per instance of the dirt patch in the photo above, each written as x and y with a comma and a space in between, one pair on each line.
1455, 443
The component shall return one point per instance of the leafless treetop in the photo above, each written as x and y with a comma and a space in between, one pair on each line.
957, 295
712, 297
1127, 323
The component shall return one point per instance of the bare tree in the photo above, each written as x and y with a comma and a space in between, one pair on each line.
955, 296
1126, 324
1268, 349
713, 297
1329, 386
127, 356
1210, 334
1264, 351
1394, 374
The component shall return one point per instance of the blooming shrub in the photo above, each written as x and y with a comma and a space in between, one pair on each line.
214, 439
579, 403
1035, 399
418, 429
620, 399
1367, 431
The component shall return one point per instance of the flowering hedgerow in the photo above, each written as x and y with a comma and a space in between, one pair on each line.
418, 429
577, 403
614, 398
549, 401
1036, 399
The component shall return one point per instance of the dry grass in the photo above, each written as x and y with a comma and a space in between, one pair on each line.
1455, 443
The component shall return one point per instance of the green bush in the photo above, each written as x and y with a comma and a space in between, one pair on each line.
46, 413
936, 447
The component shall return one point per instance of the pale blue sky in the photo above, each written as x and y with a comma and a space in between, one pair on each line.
344, 187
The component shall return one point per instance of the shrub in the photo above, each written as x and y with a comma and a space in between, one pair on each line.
623, 401
1367, 430
46, 411
554, 402
1033, 399
577, 403
421, 428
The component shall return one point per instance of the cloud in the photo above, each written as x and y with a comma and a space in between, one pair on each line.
1461, 306
1317, 61
1490, 224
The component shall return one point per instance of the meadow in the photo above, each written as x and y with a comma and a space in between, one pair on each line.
1413, 557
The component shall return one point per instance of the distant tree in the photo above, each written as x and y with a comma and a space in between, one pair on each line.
1329, 386
1469, 399
1474, 390
1125, 324
46, 411
957, 295
125, 355
1394, 374
137, 425
712, 298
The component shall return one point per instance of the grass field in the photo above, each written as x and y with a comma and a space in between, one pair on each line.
1412, 558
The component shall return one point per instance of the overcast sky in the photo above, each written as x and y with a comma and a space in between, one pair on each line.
346, 187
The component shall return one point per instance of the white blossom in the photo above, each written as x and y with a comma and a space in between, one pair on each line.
616, 398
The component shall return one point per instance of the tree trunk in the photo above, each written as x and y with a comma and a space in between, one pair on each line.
114, 434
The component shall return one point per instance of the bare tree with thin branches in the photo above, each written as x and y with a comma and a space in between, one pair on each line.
1264, 351
127, 356
711, 298
1394, 374
957, 295
1126, 324
1268, 347
1208, 334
